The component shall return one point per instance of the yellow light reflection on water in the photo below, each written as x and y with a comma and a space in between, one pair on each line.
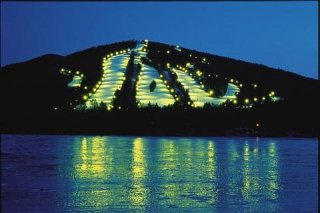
212, 173
260, 173
92, 164
273, 176
139, 193
211, 160
92, 159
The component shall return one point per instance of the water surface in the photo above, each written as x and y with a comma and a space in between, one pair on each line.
158, 174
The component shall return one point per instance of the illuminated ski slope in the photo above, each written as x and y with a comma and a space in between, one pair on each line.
198, 95
159, 96
76, 81
114, 74
232, 90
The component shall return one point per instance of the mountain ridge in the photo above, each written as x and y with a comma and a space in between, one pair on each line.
51, 84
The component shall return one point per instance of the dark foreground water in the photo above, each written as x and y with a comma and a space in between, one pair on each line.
158, 174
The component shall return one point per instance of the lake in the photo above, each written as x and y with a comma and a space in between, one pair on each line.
42, 173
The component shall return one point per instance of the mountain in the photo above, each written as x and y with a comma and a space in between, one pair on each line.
142, 76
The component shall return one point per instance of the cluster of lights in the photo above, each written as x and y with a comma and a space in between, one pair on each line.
65, 72
272, 93
112, 54
77, 73
199, 73
77, 78
171, 90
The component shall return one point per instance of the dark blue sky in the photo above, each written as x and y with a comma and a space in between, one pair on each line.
277, 34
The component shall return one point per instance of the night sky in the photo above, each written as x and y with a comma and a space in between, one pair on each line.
277, 34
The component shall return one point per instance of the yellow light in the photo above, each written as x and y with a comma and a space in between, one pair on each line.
231, 80
190, 55
202, 86
82, 75
77, 72
85, 97
240, 85
168, 64
161, 76
257, 124
172, 90
94, 89
204, 59
246, 100
90, 93
168, 52
235, 101
178, 99
117, 53
189, 102
85, 87
272, 93
119, 107
263, 98
210, 92
255, 85
255, 99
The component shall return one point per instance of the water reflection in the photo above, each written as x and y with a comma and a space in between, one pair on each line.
273, 176
112, 173
260, 175
139, 193
93, 164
